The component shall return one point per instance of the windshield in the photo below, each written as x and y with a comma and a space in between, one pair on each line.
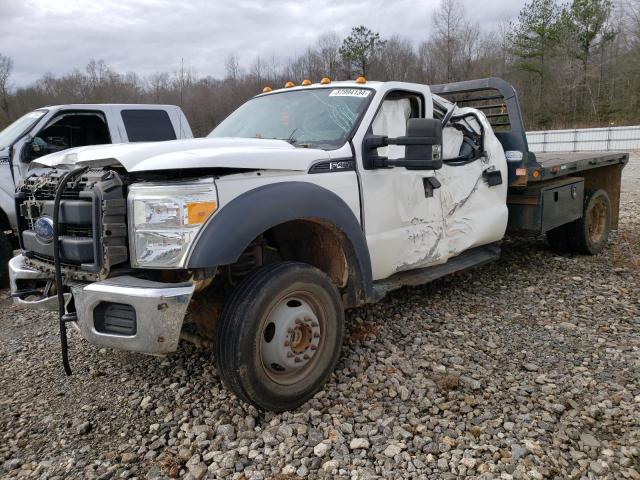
318, 118
19, 127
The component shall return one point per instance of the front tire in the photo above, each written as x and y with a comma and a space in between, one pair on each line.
279, 335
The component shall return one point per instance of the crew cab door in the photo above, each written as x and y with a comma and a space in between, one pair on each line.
473, 191
401, 210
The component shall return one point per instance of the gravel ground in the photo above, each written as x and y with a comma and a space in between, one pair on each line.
525, 368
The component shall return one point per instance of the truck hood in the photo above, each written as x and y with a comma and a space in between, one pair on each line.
233, 153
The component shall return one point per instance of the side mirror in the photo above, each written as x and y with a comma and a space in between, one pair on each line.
423, 143
427, 149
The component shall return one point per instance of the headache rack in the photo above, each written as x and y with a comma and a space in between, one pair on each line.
498, 100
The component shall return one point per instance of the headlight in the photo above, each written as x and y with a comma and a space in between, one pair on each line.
165, 218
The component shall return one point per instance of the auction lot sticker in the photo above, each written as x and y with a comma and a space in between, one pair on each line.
350, 92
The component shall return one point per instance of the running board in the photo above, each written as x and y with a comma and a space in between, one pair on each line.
412, 278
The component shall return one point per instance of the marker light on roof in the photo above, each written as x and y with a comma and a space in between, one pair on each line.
289, 85
266, 89
361, 80
325, 80
306, 82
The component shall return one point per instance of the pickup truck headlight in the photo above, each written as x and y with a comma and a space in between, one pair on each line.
165, 218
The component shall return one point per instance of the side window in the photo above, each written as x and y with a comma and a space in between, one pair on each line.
70, 129
148, 125
391, 119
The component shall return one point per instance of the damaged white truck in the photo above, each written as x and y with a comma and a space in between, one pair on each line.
304, 202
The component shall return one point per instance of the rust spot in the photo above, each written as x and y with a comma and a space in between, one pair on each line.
205, 309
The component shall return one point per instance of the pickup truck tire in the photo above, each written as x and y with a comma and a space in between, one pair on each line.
279, 335
6, 252
587, 235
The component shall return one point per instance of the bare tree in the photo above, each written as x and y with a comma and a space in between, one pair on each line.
447, 23
6, 66
328, 49
232, 66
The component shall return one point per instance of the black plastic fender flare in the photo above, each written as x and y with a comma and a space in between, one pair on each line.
227, 234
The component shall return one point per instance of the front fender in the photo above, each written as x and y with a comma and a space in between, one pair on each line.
227, 234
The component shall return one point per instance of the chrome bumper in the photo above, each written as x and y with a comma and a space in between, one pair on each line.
20, 276
159, 308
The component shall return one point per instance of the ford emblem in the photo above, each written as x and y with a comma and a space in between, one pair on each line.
44, 229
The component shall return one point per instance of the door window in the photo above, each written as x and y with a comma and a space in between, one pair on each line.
71, 129
391, 120
148, 125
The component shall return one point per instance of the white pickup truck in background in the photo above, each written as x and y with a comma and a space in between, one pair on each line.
54, 128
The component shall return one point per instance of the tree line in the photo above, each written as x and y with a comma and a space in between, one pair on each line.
574, 64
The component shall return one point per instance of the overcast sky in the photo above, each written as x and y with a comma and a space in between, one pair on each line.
147, 36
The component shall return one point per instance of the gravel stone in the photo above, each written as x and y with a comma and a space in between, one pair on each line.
458, 378
359, 443
321, 449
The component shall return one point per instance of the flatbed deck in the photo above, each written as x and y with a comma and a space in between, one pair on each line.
553, 165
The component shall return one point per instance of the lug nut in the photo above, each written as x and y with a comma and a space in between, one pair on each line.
287, 343
316, 335
306, 357
298, 360
314, 347
314, 324
289, 330
289, 354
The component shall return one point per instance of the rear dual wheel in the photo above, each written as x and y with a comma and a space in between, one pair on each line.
280, 335
587, 235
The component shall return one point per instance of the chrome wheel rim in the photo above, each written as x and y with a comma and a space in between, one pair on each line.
291, 336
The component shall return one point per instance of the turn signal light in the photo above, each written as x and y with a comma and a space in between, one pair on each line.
289, 85
325, 80
361, 80
306, 82
266, 89
198, 212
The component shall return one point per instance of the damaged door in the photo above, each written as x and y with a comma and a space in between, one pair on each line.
474, 183
402, 212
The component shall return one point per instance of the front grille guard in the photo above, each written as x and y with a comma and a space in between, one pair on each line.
63, 317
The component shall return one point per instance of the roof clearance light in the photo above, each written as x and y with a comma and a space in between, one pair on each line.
289, 85
361, 80
325, 80
266, 89
306, 83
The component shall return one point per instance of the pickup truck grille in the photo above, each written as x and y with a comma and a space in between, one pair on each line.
92, 222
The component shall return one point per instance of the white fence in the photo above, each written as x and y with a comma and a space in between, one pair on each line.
586, 139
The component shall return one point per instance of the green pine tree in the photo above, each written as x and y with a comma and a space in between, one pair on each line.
360, 48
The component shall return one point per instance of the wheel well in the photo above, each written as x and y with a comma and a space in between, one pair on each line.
323, 245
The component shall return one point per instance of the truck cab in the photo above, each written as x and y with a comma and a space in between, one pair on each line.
60, 127
304, 202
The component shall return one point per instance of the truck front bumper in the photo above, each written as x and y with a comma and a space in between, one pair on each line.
155, 311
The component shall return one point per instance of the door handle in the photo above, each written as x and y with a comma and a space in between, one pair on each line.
430, 184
